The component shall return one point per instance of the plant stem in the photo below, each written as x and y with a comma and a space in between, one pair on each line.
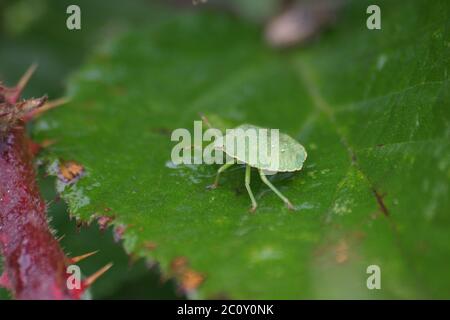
34, 263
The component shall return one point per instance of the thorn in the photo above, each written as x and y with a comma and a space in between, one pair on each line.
60, 238
212, 186
28, 106
290, 206
47, 143
82, 257
44, 108
36, 147
26, 77
22, 83
205, 120
17, 127
91, 279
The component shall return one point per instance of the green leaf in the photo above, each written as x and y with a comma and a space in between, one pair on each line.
371, 108
121, 281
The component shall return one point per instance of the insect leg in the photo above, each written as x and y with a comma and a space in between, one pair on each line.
221, 169
249, 190
278, 193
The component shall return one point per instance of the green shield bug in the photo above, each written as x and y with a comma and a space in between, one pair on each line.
289, 155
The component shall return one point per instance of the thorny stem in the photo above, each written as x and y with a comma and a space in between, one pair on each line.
34, 263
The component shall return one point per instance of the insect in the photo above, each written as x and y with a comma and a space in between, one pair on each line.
291, 157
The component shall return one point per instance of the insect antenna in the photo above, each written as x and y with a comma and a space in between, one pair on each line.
205, 120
